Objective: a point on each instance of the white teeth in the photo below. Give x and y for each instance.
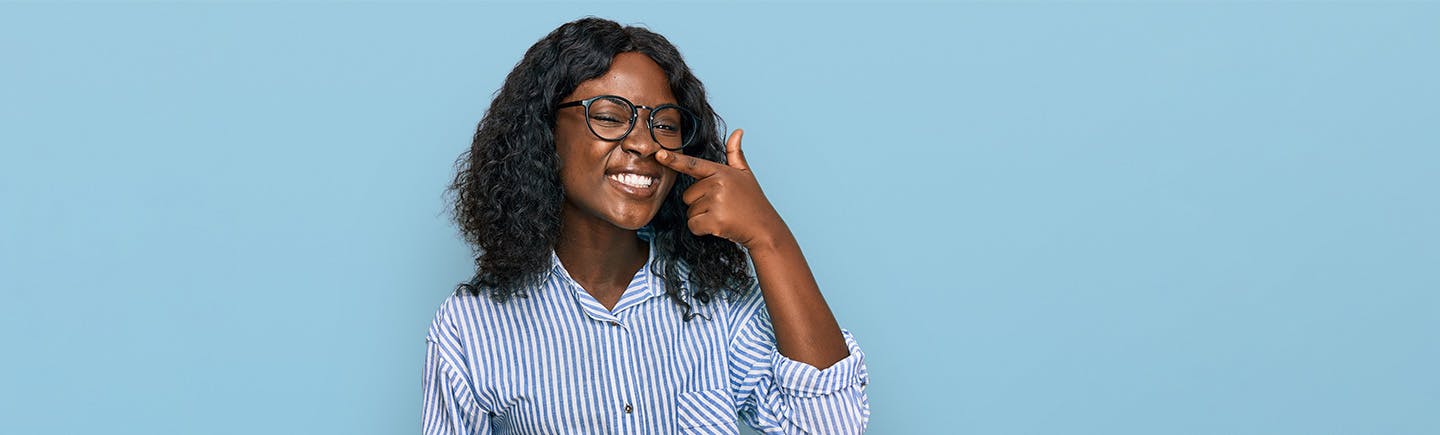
(634, 180)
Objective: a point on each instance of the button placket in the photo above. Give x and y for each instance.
(624, 346)
(614, 334)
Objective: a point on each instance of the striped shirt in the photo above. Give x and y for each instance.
(559, 362)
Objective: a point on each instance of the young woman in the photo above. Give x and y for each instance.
(616, 237)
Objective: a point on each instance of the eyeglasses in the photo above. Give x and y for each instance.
(612, 118)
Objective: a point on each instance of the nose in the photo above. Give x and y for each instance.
(639, 140)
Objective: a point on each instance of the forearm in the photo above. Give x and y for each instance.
(805, 329)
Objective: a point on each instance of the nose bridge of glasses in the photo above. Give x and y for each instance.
(638, 141)
(649, 115)
(635, 118)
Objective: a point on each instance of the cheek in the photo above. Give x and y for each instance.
(576, 157)
(671, 181)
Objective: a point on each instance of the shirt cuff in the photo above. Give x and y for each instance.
(804, 380)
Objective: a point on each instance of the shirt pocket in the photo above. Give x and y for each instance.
(705, 412)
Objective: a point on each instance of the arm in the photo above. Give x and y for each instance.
(799, 373)
(805, 330)
(449, 406)
(726, 201)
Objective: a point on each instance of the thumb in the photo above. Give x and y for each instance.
(733, 155)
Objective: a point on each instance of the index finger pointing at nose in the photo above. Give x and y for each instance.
(688, 165)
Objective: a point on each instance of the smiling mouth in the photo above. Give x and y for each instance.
(633, 180)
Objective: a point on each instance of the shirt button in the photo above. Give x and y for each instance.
(614, 323)
(628, 408)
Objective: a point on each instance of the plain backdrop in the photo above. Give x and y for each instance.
(1037, 218)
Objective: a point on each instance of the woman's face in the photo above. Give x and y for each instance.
(616, 182)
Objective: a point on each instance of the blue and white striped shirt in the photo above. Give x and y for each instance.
(559, 362)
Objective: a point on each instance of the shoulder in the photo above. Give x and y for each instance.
(745, 310)
(443, 326)
(466, 315)
(461, 315)
(746, 302)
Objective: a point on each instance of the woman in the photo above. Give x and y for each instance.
(613, 292)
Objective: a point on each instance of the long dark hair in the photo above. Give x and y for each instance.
(507, 193)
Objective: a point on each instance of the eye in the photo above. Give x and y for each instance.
(607, 119)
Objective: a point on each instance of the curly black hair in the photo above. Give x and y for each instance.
(507, 195)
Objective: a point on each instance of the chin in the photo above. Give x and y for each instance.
(631, 215)
(619, 210)
(631, 221)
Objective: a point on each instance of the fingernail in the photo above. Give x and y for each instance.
(661, 154)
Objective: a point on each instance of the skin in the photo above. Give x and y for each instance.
(598, 243)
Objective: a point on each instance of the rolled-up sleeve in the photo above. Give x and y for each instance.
(776, 394)
(449, 406)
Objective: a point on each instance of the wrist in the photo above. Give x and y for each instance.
(774, 239)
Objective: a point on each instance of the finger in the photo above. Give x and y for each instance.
(697, 209)
(733, 154)
(701, 225)
(688, 165)
(697, 191)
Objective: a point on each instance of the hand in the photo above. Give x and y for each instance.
(726, 200)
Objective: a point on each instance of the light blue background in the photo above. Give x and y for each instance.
(1117, 218)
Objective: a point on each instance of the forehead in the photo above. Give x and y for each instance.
(633, 76)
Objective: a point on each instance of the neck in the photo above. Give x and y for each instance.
(595, 251)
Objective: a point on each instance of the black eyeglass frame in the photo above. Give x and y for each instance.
(686, 139)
